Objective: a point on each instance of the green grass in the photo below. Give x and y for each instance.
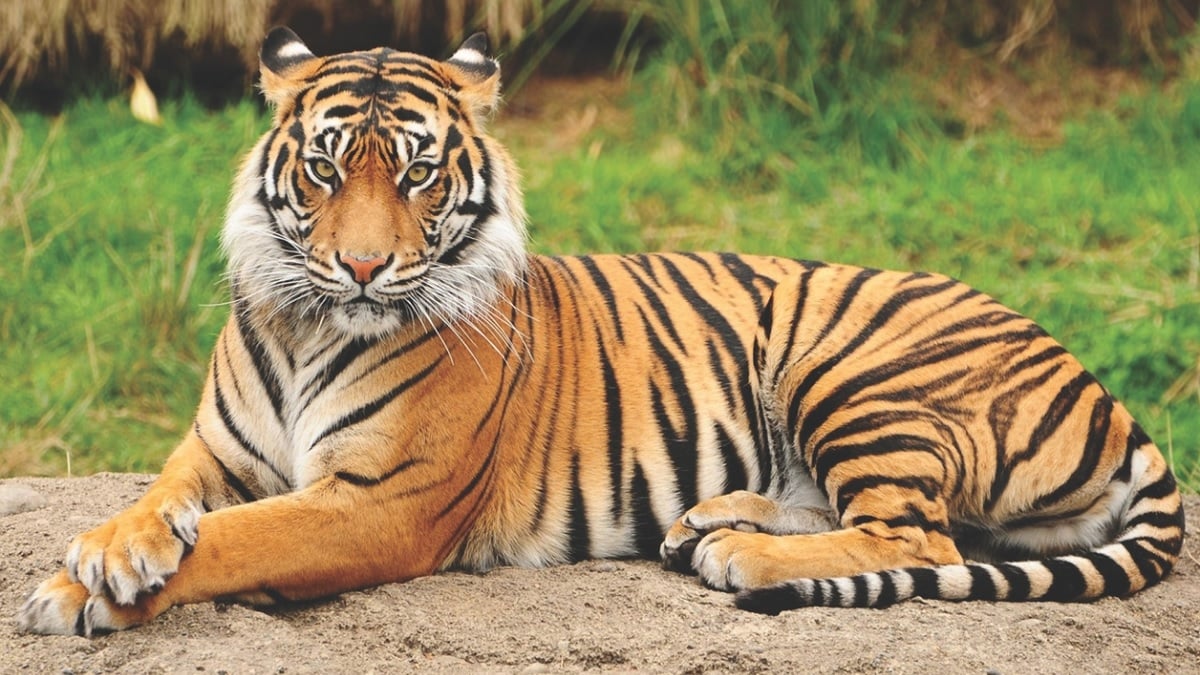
(111, 293)
(1097, 239)
(110, 296)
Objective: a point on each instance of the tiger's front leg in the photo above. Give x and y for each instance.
(136, 551)
(314, 543)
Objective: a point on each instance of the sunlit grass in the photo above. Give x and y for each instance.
(111, 295)
(108, 317)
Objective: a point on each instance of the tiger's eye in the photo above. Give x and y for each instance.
(324, 169)
(417, 173)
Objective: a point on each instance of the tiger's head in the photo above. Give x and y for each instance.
(375, 199)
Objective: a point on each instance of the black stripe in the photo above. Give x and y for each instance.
(1061, 406)
(365, 411)
(1093, 452)
(344, 64)
(654, 299)
(233, 429)
(1018, 581)
(1158, 519)
(1116, 579)
(368, 481)
(647, 532)
(912, 518)
(887, 589)
(729, 337)
(925, 582)
(756, 285)
(606, 293)
(851, 488)
(229, 477)
(419, 93)
(1067, 582)
(1003, 410)
(834, 455)
(395, 354)
(817, 596)
(336, 366)
(581, 547)
(735, 471)
(343, 111)
(724, 383)
(403, 114)
(798, 314)
(983, 587)
(862, 590)
(615, 428)
(393, 59)
(262, 363)
(1149, 562)
(1163, 487)
(680, 443)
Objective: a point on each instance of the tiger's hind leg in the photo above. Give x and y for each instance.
(741, 511)
(883, 527)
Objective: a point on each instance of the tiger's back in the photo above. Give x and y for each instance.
(915, 407)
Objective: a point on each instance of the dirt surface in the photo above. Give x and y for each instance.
(609, 616)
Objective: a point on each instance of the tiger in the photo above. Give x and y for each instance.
(403, 388)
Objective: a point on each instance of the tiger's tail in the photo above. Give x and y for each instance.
(1144, 551)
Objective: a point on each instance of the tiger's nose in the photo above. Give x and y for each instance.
(364, 269)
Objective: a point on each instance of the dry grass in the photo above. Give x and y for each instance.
(48, 37)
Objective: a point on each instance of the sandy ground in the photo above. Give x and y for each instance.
(609, 616)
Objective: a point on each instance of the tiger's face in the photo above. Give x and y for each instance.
(375, 199)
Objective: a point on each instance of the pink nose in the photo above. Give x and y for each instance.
(363, 268)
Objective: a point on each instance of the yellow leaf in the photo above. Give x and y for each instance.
(142, 103)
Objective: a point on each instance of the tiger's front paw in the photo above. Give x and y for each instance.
(136, 551)
(60, 606)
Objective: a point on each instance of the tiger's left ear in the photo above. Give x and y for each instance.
(285, 63)
(476, 74)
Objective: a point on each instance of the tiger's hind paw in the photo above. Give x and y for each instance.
(741, 511)
(729, 560)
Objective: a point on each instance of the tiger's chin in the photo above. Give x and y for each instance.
(368, 319)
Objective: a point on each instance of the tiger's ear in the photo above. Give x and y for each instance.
(476, 74)
(285, 62)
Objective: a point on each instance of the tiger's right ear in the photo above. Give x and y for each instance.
(285, 62)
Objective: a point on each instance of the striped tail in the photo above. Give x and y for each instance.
(1144, 552)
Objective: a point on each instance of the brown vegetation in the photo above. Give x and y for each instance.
(47, 38)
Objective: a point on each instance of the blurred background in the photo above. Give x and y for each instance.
(1045, 151)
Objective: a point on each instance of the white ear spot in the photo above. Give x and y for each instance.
(293, 50)
(468, 56)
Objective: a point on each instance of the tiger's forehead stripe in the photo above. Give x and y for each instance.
(382, 81)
